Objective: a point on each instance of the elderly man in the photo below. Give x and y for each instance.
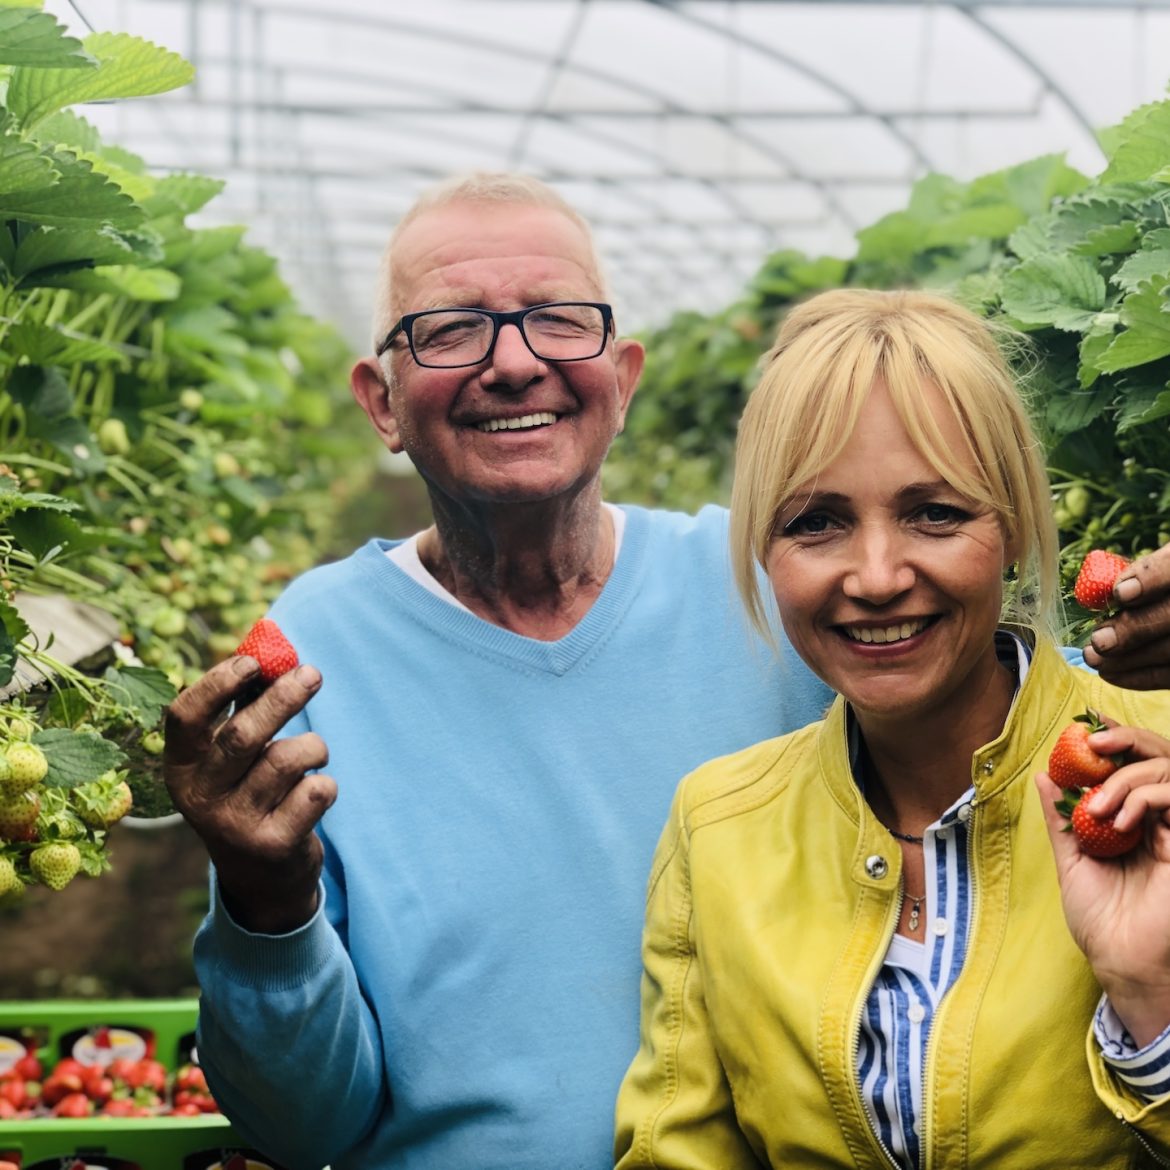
(443, 972)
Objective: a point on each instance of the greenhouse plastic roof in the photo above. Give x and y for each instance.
(697, 137)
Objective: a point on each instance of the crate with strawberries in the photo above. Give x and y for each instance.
(110, 1086)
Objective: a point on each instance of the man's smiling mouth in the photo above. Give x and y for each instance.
(525, 422)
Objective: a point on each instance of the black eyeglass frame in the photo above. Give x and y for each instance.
(514, 317)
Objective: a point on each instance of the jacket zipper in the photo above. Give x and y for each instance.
(1141, 1137)
(873, 1127)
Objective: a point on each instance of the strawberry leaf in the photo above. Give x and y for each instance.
(76, 757)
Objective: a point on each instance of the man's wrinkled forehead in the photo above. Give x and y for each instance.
(469, 253)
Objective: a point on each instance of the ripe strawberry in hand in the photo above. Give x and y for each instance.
(1072, 763)
(1097, 838)
(275, 653)
(1094, 584)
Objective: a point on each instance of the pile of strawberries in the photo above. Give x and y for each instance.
(122, 1088)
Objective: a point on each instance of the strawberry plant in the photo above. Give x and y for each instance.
(167, 447)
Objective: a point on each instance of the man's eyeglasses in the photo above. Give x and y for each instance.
(445, 339)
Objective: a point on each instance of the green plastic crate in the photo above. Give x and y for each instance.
(150, 1143)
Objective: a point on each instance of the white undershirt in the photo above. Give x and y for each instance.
(405, 556)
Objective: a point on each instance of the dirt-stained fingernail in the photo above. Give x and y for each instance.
(1128, 590)
(309, 677)
(1104, 639)
(245, 666)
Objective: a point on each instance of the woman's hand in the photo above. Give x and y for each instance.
(1118, 910)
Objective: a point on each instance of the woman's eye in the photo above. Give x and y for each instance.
(943, 515)
(808, 524)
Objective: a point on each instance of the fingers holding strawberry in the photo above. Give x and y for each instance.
(253, 798)
(1131, 648)
(1111, 843)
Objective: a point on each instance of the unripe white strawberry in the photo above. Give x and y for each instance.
(10, 883)
(18, 816)
(56, 864)
(27, 766)
(106, 810)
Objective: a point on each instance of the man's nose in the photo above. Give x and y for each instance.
(512, 365)
(880, 569)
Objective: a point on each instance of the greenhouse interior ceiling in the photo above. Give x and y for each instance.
(696, 136)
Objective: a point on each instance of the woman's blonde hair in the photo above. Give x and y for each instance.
(828, 354)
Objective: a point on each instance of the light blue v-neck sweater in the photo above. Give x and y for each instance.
(468, 996)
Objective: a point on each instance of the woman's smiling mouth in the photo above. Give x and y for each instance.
(884, 634)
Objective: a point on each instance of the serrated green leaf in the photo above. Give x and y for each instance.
(70, 130)
(74, 195)
(41, 391)
(1067, 413)
(1147, 336)
(1144, 267)
(1031, 239)
(995, 221)
(47, 247)
(1140, 145)
(49, 535)
(68, 707)
(181, 194)
(23, 168)
(1093, 345)
(1111, 238)
(1051, 289)
(128, 66)
(76, 757)
(46, 345)
(138, 284)
(13, 630)
(142, 690)
(1139, 412)
(28, 37)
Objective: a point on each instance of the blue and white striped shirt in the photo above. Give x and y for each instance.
(910, 986)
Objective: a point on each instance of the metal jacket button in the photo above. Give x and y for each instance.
(876, 866)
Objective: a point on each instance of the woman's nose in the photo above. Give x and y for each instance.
(880, 569)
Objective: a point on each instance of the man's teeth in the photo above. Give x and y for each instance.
(543, 419)
(886, 633)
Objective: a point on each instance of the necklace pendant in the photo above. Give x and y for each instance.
(914, 909)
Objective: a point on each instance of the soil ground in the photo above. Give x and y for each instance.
(126, 934)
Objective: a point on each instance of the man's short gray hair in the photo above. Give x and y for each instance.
(475, 187)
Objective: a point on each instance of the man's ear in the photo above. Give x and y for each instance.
(373, 396)
(629, 358)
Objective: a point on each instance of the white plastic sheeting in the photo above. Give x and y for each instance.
(697, 136)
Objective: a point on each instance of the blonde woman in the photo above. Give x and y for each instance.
(868, 943)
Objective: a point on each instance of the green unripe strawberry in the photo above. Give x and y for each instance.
(55, 865)
(191, 399)
(169, 622)
(27, 766)
(105, 808)
(18, 816)
(153, 743)
(112, 437)
(10, 882)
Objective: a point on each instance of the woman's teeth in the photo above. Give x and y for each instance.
(885, 634)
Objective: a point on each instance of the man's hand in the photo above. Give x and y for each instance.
(1132, 648)
(248, 796)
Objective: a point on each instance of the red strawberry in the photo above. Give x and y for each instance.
(270, 648)
(1098, 838)
(1094, 584)
(1072, 763)
(73, 1105)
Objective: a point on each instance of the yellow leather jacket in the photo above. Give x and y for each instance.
(768, 919)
